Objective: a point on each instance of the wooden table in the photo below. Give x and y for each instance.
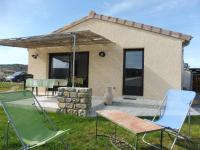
(129, 122)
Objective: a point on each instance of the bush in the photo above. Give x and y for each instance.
(10, 86)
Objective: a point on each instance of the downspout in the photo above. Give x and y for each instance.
(182, 68)
(74, 57)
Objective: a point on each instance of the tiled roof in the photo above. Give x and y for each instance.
(93, 15)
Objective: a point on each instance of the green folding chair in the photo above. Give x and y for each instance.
(29, 120)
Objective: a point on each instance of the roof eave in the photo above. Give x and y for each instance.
(93, 15)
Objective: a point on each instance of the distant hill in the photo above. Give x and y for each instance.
(9, 69)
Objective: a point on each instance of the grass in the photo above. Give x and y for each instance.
(10, 86)
(82, 134)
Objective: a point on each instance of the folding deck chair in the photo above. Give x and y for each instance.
(173, 112)
(30, 122)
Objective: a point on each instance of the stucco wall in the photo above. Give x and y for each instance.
(103, 71)
(162, 59)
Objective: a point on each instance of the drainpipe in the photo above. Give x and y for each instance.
(74, 57)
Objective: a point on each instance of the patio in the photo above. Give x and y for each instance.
(139, 107)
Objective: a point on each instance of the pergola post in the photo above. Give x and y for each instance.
(74, 57)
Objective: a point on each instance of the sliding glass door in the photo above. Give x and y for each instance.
(60, 67)
(133, 72)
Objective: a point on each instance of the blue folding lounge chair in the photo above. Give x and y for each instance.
(173, 112)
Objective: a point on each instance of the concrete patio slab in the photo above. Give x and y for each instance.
(138, 107)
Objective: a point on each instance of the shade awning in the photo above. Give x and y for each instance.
(59, 39)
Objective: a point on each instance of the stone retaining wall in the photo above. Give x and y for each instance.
(75, 101)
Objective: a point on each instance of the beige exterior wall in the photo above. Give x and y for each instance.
(103, 71)
(162, 59)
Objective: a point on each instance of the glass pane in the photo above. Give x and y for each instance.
(60, 65)
(134, 60)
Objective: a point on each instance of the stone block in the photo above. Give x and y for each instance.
(81, 106)
(75, 112)
(85, 100)
(61, 99)
(70, 89)
(73, 94)
(75, 100)
(68, 100)
(60, 93)
(82, 90)
(82, 113)
(61, 89)
(83, 95)
(61, 105)
(69, 105)
(66, 94)
(70, 111)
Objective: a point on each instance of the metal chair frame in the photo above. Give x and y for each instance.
(171, 131)
(10, 121)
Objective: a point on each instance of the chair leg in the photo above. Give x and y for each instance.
(115, 132)
(143, 139)
(176, 137)
(189, 121)
(96, 126)
(6, 135)
(64, 144)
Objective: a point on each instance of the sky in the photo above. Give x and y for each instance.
(20, 18)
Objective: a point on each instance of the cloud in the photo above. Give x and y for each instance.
(119, 7)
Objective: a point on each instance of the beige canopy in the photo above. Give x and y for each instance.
(56, 39)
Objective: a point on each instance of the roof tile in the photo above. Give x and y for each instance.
(156, 29)
(147, 27)
(105, 18)
(138, 25)
(92, 14)
(175, 34)
(165, 32)
(120, 21)
(112, 19)
(129, 23)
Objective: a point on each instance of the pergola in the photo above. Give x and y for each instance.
(58, 39)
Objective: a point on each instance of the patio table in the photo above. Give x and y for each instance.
(35, 83)
(129, 122)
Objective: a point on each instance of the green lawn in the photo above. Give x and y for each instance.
(82, 134)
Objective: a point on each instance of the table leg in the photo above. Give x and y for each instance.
(53, 90)
(161, 139)
(115, 132)
(136, 142)
(37, 91)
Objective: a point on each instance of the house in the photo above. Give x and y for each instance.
(135, 59)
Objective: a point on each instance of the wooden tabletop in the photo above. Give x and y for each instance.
(129, 122)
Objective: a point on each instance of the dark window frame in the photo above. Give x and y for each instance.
(124, 67)
(51, 55)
